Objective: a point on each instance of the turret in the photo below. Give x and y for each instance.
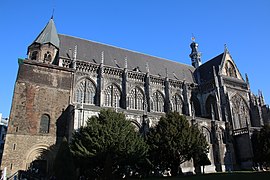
(45, 47)
(195, 55)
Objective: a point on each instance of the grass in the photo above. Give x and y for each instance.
(220, 176)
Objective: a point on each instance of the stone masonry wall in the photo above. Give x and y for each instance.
(39, 89)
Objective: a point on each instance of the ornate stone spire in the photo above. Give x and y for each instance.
(75, 57)
(102, 57)
(126, 62)
(147, 67)
(247, 80)
(195, 55)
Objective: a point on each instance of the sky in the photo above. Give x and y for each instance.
(161, 28)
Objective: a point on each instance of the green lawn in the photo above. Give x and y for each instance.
(222, 176)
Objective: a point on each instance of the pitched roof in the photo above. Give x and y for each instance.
(115, 57)
(206, 70)
(48, 35)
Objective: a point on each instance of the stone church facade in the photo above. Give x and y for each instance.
(64, 80)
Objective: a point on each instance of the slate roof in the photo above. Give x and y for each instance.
(48, 35)
(206, 70)
(115, 57)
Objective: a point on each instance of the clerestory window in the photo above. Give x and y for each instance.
(85, 92)
(177, 104)
(112, 96)
(157, 103)
(135, 99)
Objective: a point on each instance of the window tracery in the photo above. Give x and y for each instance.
(112, 96)
(85, 92)
(177, 103)
(135, 99)
(157, 103)
(240, 112)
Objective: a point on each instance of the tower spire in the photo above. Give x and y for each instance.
(47, 38)
(195, 55)
(49, 35)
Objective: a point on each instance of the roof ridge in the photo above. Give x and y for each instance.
(133, 51)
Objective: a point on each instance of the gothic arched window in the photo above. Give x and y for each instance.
(44, 124)
(157, 102)
(85, 92)
(177, 103)
(240, 112)
(112, 96)
(135, 99)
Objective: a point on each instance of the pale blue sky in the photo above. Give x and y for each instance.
(161, 28)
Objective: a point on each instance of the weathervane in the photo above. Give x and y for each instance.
(193, 38)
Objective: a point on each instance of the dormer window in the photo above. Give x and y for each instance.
(137, 69)
(34, 55)
(47, 57)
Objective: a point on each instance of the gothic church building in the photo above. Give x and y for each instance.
(64, 80)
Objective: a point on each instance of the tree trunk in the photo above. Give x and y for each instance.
(175, 169)
(203, 168)
(107, 174)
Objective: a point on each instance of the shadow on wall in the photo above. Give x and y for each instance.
(42, 167)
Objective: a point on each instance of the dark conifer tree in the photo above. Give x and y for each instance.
(261, 146)
(108, 146)
(173, 141)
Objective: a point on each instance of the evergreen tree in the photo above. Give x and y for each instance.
(173, 141)
(108, 145)
(261, 146)
(199, 149)
(63, 164)
(204, 160)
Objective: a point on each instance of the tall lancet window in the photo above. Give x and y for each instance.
(177, 103)
(135, 99)
(157, 102)
(112, 96)
(85, 92)
(240, 112)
